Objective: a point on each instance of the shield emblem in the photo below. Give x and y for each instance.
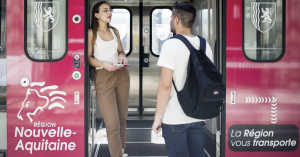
(46, 15)
(263, 15)
(162, 31)
(122, 30)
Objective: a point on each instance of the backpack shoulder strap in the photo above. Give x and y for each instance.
(188, 45)
(185, 41)
(202, 44)
(174, 86)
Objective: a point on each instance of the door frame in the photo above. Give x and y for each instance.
(223, 58)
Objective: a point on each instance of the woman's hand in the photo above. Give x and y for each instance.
(110, 66)
(123, 59)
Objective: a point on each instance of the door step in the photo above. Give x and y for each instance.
(137, 149)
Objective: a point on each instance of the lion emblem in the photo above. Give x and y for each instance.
(49, 14)
(263, 15)
(267, 14)
(36, 101)
(46, 13)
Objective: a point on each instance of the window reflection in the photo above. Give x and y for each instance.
(121, 20)
(3, 29)
(161, 30)
(46, 34)
(2, 52)
(263, 30)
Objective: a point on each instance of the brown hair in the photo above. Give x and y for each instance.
(186, 13)
(94, 25)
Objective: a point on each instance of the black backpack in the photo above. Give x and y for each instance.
(203, 92)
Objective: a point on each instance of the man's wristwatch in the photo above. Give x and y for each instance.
(101, 65)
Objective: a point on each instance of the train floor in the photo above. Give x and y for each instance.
(140, 141)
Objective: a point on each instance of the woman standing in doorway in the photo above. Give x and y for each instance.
(111, 82)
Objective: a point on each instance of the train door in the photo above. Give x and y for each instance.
(155, 31)
(45, 78)
(143, 27)
(149, 29)
(262, 78)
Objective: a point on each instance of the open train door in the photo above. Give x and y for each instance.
(45, 78)
(262, 78)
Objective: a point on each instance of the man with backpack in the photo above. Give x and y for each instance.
(181, 132)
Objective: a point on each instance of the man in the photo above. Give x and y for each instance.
(179, 131)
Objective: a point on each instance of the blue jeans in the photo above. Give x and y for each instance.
(179, 138)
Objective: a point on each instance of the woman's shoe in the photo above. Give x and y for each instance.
(125, 155)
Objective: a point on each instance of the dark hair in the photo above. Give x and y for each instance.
(94, 24)
(186, 13)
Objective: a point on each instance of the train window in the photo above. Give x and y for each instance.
(121, 19)
(160, 28)
(46, 30)
(263, 30)
(2, 53)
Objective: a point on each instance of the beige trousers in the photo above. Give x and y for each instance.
(112, 90)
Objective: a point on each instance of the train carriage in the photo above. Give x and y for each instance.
(48, 103)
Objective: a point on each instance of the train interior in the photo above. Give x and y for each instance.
(143, 26)
(153, 18)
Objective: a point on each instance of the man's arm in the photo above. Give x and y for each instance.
(163, 96)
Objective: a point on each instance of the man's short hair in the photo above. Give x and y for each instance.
(186, 13)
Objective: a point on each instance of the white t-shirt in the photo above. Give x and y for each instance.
(175, 55)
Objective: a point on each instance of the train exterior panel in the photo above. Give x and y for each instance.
(262, 100)
(49, 104)
(45, 99)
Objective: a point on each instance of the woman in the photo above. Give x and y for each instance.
(111, 82)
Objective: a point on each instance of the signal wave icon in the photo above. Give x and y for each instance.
(266, 100)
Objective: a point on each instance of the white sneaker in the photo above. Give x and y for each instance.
(125, 155)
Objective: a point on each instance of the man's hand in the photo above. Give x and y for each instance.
(156, 126)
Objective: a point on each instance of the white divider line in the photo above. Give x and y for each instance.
(206, 153)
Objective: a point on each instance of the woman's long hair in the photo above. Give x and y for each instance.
(94, 25)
